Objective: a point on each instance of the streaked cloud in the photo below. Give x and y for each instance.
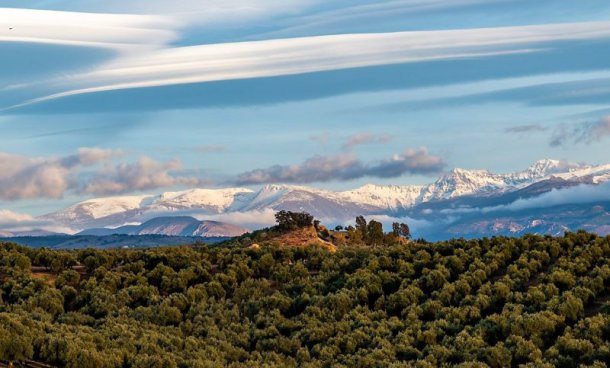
(528, 128)
(281, 57)
(344, 167)
(215, 12)
(125, 32)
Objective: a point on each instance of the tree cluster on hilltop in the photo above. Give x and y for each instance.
(499, 302)
(288, 220)
(368, 233)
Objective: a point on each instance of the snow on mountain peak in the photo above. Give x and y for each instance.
(459, 182)
(213, 199)
(385, 196)
(546, 167)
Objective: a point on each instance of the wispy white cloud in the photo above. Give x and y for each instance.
(122, 32)
(133, 25)
(198, 11)
(356, 12)
(242, 60)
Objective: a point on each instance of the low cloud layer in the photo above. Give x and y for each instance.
(344, 167)
(581, 194)
(576, 195)
(89, 170)
(13, 223)
(10, 217)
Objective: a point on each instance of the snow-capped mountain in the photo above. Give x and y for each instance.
(466, 187)
(323, 203)
(211, 200)
(461, 182)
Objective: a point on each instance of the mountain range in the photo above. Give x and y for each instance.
(476, 201)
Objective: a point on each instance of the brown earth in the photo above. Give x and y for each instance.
(302, 237)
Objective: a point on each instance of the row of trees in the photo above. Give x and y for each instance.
(372, 233)
(493, 302)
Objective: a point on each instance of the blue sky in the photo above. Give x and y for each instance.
(112, 97)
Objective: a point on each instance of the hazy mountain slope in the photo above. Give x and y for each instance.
(173, 226)
(553, 220)
(29, 233)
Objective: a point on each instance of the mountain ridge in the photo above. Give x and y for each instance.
(457, 188)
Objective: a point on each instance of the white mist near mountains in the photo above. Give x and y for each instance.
(459, 191)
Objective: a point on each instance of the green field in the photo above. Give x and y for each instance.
(500, 302)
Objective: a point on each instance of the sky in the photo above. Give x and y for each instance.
(101, 98)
